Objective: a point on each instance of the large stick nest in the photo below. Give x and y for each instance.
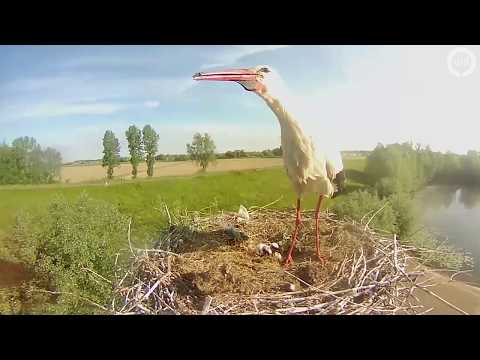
(211, 265)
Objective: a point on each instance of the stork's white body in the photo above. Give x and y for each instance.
(309, 170)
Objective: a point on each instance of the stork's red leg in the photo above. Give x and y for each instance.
(298, 221)
(317, 231)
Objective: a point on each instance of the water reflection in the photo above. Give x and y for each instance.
(470, 197)
(443, 197)
(438, 197)
(455, 213)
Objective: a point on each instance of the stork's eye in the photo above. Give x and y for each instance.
(265, 69)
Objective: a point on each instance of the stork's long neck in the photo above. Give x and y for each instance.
(285, 119)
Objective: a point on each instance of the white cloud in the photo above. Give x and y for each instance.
(61, 109)
(78, 87)
(95, 60)
(234, 53)
(152, 104)
(45, 83)
(80, 95)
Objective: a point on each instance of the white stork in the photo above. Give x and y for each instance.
(308, 169)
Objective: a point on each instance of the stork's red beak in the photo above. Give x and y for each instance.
(227, 75)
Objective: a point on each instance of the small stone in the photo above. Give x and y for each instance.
(263, 249)
(275, 246)
(267, 250)
(259, 249)
(278, 256)
(291, 287)
(235, 234)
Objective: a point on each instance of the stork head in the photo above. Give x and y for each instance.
(252, 79)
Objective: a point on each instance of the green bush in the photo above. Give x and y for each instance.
(399, 216)
(405, 167)
(387, 186)
(70, 238)
(362, 204)
(19, 300)
(25, 162)
(405, 213)
(10, 303)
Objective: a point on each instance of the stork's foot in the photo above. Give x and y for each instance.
(288, 262)
(321, 258)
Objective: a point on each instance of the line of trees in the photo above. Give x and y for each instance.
(231, 154)
(268, 153)
(25, 162)
(172, 157)
(142, 145)
(407, 168)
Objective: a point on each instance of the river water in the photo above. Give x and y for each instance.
(454, 212)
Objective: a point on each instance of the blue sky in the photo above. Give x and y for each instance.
(351, 96)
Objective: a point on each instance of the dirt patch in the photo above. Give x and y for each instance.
(84, 173)
(12, 274)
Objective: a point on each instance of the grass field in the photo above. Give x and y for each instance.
(141, 198)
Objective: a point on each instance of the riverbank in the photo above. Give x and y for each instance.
(451, 297)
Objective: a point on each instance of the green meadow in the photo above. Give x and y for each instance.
(143, 199)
